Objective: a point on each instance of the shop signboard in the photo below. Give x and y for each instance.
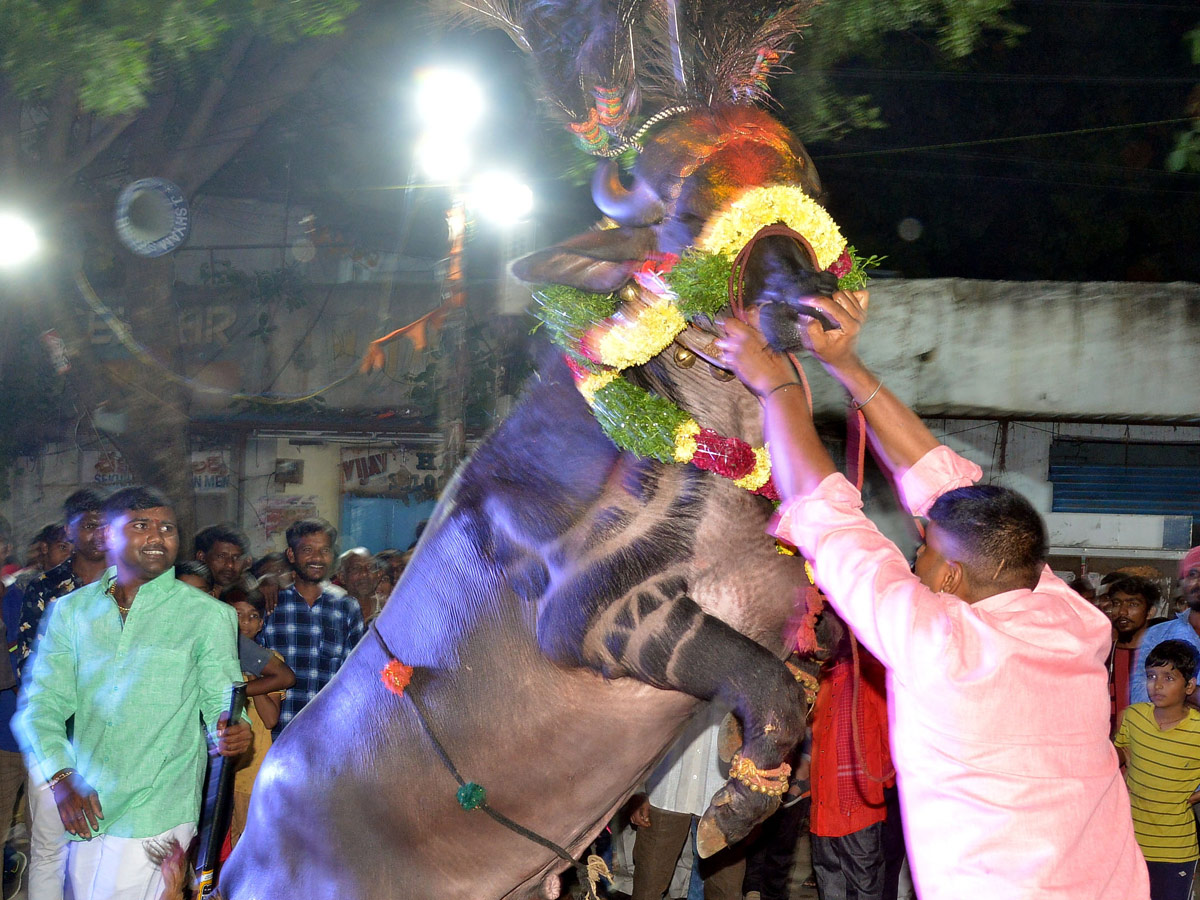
(210, 471)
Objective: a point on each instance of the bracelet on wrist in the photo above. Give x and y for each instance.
(59, 777)
(854, 404)
(778, 387)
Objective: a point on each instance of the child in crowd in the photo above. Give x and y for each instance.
(195, 573)
(1159, 743)
(268, 678)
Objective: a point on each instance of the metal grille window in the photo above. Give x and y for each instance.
(1125, 478)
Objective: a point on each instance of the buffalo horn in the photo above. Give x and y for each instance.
(637, 206)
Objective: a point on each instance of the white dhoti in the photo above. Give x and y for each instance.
(47, 844)
(115, 868)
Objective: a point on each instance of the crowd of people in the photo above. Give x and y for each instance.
(967, 690)
(112, 632)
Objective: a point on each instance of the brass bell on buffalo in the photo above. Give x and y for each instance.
(722, 374)
(684, 358)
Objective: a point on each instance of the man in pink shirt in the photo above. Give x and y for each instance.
(997, 683)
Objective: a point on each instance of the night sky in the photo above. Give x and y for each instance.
(1094, 204)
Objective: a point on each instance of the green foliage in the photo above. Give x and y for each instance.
(857, 279)
(271, 289)
(1185, 157)
(701, 281)
(637, 421)
(1193, 40)
(817, 110)
(569, 312)
(113, 50)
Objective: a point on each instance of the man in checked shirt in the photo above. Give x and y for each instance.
(315, 624)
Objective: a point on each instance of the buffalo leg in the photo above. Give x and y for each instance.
(672, 643)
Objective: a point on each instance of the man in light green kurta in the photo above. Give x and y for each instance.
(138, 658)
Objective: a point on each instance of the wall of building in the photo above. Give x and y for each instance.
(951, 348)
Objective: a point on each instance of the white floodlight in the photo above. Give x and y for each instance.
(443, 156)
(448, 99)
(18, 241)
(501, 197)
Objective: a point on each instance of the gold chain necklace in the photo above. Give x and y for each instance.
(112, 592)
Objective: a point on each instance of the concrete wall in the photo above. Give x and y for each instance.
(1060, 350)
(950, 348)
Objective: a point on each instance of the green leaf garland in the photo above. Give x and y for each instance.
(701, 282)
(637, 421)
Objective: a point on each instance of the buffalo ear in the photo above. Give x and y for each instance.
(599, 261)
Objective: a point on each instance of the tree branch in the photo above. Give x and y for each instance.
(56, 136)
(215, 91)
(10, 131)
(197, 161)
(96, 144)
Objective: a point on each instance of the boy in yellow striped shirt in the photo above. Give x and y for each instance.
(1159, 744)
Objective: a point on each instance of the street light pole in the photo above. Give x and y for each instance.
(450, 104)
(453, 365)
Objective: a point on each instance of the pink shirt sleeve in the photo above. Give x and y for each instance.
(864, 574)
(938, 471)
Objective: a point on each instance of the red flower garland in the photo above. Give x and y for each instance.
(729, 457)
(768, 490)
(842, 265)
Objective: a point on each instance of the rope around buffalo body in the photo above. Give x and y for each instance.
(472, 795)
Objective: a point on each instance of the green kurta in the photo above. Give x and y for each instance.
(137, 690)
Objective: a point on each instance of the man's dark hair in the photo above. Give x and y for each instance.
(260, 565)
(301, 528)
(998, 531)
(237, 594)
(1135, 586)
(50, 534)
(83, 501)
(1179, 654)
(134, 497)
(214, 534)
(196, 569)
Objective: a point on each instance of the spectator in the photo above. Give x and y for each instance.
(85, 530)
(137, 658)
(49, 547)
(1185, 626)
(1009, 789)
(389, 564)
(268, 678)
(1131, 599)
(771, 855)
(680, 790)
(853, 849)
(315, 625)
(359, 576)
(12, 767)
(271, 574)
(8, 566)
(223, 549)
(1159, 743)
(195, 574)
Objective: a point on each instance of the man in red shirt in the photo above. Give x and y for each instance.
(851, 767)
(1131, 598)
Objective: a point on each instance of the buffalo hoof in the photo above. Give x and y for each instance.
(734, 811)
(729, 742)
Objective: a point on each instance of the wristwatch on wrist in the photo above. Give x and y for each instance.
(60, 776)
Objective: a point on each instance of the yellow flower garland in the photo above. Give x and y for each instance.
(592, 383)
(634, 342)
(757, 477)
(685, 441)
(733, 227)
